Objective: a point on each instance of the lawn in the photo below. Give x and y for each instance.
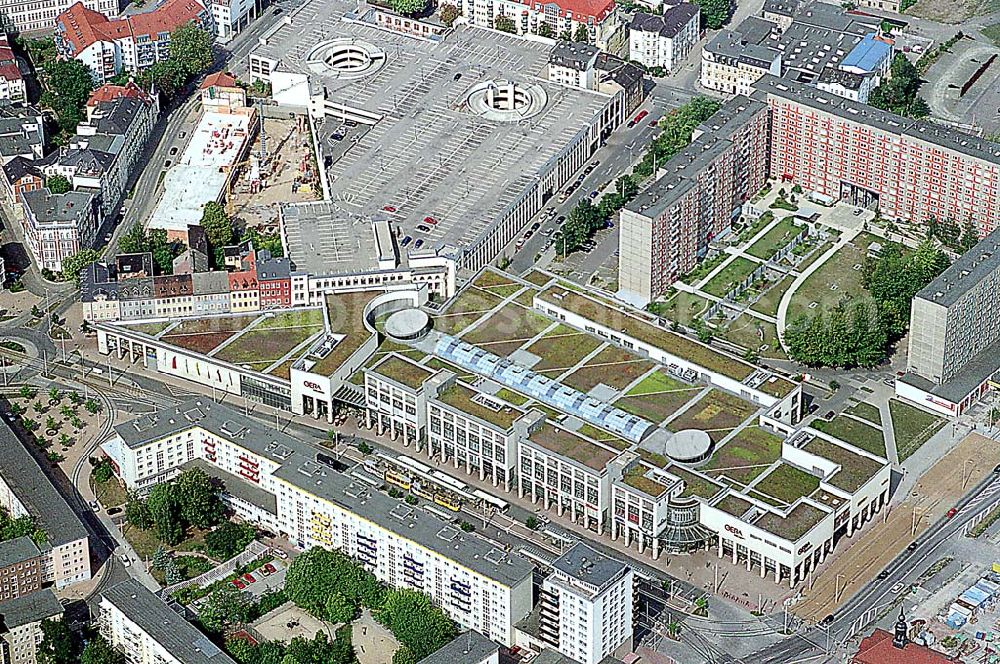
(152, 329)
(509, 323)
(510, 396)
(837, 278)
(658, 381)
(682, 307)
(473, 300)
(992, 32)
(852, 431)
(562, 348)
(769, 301)
(731, 275)
(612, 366)
(266, 345)
(453, 324)
(746, 455)
(775, 239)
(295, 318)
(502, 348)
(717, 413)
(811, 256)
(866, 411)
(752, 333)
(537, 278)
(215, 324)
(912, 427)
(110, 493)
(787, 483)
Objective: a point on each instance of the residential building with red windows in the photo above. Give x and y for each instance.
(129, 44)
(667, 228)
(605, 27)
(274, 280)
(909, 170)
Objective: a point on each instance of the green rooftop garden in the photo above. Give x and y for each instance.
(346, 314)
(572, 446)
(695, 485)
(636, 478)
(787, 483)
(799, 521)
(460, 397)
(403, 371)
(912, 427)
(855, 469)
(855, 432)
(734, 505)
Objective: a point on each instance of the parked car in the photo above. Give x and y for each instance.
(406, 241)
(423, 229)
(94, 505)
(431, 221)
(535, 226)
(114, 510)
(896, 588)
(640, 117)
(278, 553)
(883, 575)
(263, 572)
(239, 584)
(270, 568)
(249, 578)
(829, 415)
(561, 220)
(654, 123)
(456, 76)
(952, 512)
(419, 243)
(125, 561)
(389, 208)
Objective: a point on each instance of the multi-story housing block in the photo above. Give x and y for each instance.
(731, 64)
(22, 132)
(274, 280)
(20, 568)
(664, 40)
(142, 626)
(129, 44)
(57, 226)
(21, 627)
(19, 16)
(11, 81)
(955, 333)
(586, 605)
(604, 25)
(25, 490)
(667, 228)
(313, 504)
(230, 17)
(909, 170)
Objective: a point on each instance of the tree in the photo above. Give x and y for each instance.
(68, 84)
(408, 7)
(137, 513)
(546, 30)
(26, 392)
(217, 224)
(320, 650)
(191, 49)
(165, 512)
(582, 34)
(73, 265)
(676, 130)
(99, 651)
(58, 645)
(714, 13)
(403, 656)
(449, 14)
(270, 242)
(134, 241)
(316, 573)
(531, 523)
(504, 24)
(566, 35)
(197, 499)
(58, 184)
(161, 558)
(172, 573)
(338, 609)
(224, 607)
(93, 406)
(415, 622)
(228, 539)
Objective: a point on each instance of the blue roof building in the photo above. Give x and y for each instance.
(871, 55)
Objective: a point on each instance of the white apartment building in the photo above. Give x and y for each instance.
(21, 627)
(476, 585)
(25, 490)
(394, 402)
(586, 605)
(232, 16)
(141, 625)
(731, 65)
(664, 41)
(11, 81)
(604, 25)
(31, 15)
(57, 226)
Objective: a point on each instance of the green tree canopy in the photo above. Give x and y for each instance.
(848, 335)
(217, 224)
(165, 512)
(58, 184)
(68, 84)
(715, 13)
(546, 30)
(198, 499)
(408, 7)
(73, 265)
(582, 34)
(338, 609)
(99, 651)
(676, 129)
(315, 574)
(59, 644)
(449, 14)
(229, 539)
(504, 24)
(225, 607)
(191, 49)
(415, 622)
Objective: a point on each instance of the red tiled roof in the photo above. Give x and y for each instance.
(170, 15)
(109, 92)
(599, 9)
(878, 649)
(83, 27)
(220, 79)
(10, 72)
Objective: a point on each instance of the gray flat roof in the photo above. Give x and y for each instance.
(586, 565)
(949, 139)
(30, 608)
(300, 466)
(470, 647)
(430, 155)
(965, 273)
(322, 238)
(973, 374)
(17, 550)
(178, 637)
(33, 488)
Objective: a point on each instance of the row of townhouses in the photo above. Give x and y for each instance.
(128, 290)
(97, 161)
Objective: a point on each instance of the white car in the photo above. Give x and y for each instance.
(94, 505)
(125, 561)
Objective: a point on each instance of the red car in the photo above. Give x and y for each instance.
(239, 584)
(270, 568)
(952, 512)
(430, 220)
(249, 578)
(388, 208)
(640, 116)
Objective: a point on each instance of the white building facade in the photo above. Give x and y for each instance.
(664, 41)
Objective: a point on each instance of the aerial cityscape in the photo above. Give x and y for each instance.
(499, 332)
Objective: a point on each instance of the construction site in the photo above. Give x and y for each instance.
(280, 168)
